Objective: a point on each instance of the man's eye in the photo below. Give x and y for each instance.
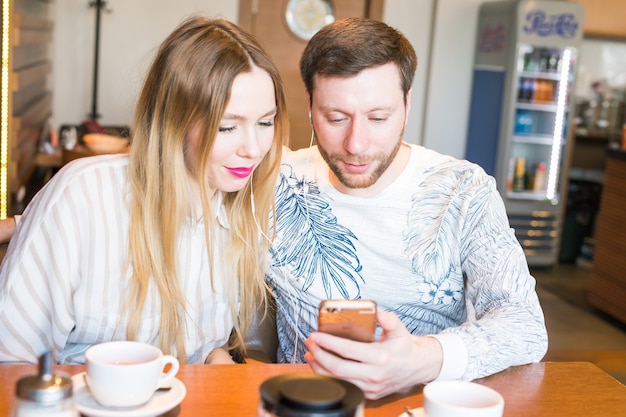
(226, 129)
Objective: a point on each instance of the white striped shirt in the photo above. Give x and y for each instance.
(63, 280)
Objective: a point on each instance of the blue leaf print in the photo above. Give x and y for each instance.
(311, 242)
(431, 242)
(421, 321)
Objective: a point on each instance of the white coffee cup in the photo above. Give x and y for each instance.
(126, 374)
(461, 399)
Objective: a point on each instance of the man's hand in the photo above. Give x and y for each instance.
(396, 362)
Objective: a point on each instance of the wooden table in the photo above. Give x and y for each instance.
(542, 389)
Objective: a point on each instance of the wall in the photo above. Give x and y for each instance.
(131, 31)
(601, 60)
(450, 76)
(129, 34)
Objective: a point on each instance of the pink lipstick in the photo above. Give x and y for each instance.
(240, 172)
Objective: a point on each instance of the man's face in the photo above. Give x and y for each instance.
(359, 122)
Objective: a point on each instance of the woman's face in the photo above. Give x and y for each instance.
(245, 134)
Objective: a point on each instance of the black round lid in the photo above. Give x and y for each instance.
(313, 394)
(310, 395)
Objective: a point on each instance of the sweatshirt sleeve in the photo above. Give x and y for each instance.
(506, 325)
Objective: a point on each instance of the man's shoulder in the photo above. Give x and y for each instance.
(303, 161)
(290, 156)
(431, 160)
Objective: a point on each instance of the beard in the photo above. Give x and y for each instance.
(380, 162)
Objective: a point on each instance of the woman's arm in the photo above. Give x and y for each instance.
(7, 228)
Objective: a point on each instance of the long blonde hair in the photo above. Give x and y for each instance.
(189, 85)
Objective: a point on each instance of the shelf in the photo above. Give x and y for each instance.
(547, 107)
(555, 76)
(596, 135)
(530, 195)
(535, 139)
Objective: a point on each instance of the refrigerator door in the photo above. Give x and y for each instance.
(519, 127)
(540, 128)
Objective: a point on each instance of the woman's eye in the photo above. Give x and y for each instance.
(268, 123)
(226, 129)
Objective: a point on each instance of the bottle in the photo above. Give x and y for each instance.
(540, 182)
(510, 174)
(519, 179)
(44, 394)
(529, 89)
(523, 123)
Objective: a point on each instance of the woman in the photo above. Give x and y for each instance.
(161, 246)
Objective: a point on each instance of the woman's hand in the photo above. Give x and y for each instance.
(219, 356)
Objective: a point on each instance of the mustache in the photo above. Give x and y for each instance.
(354, 160)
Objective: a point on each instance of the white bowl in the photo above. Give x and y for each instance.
(103, 143)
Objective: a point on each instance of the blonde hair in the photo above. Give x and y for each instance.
(188, 85)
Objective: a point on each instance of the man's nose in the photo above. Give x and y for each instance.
(356, 140)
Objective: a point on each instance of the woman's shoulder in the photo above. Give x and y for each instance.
(94, 175)
(89, 167)
(98, 162)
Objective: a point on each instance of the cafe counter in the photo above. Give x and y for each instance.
(607, 288)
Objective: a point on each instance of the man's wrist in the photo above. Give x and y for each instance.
(454, 356)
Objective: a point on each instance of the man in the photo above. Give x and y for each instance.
(364, 215)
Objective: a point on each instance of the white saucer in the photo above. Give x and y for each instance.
(417, 412)
(161, 401)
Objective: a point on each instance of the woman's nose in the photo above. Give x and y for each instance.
(251, 147)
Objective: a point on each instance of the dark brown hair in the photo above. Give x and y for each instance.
(348, 46)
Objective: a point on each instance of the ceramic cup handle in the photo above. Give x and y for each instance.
(171, 373)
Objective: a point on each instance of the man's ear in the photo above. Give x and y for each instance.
(407, 106)
(308, 107)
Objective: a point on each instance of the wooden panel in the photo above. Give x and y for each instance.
(26, 96)
(30, 75)
(25, 56)
(31, 123)
(28, 136)
(31, 37)
(607, 289)
(606, 18)
(265, 19)
(38, 111)
(25, 21)
(30, 102)
(31, 30)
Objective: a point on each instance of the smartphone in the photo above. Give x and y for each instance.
(352, 319)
